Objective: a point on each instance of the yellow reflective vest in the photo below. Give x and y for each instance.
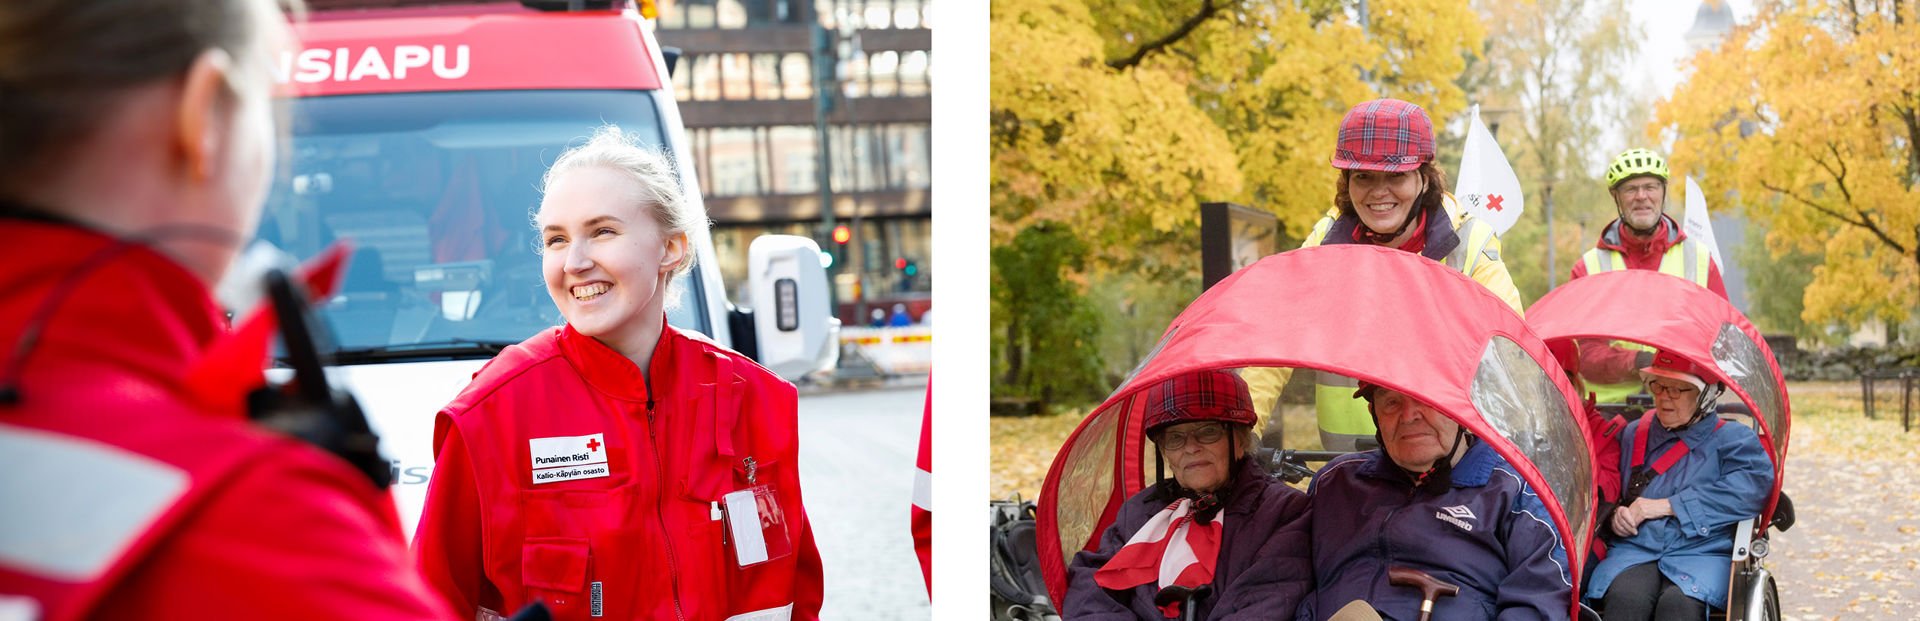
(1477, 254)
(1686, 259)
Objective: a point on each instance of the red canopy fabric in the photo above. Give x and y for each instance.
(1675, 315)
(1375, 314)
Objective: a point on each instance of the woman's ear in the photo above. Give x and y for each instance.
(204, 107)
(675, 252)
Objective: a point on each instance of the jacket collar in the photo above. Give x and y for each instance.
(1439, 231)
(616, 375)
(1474, 470)
(1666, 235)
(126, 308)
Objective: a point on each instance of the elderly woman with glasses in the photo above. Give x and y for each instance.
(1221, 529)
(1689, 478)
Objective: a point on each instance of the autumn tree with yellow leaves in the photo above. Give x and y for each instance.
(1808, 117)
(1112, 120)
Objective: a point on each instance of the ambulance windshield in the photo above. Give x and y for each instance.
(436, 192)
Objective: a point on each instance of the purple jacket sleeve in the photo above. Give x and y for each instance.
(1281, 573)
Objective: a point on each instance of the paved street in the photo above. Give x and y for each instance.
(857, 454)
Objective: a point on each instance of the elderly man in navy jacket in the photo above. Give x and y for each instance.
(1436, 499)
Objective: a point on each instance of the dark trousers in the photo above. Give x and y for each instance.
(1642, 593)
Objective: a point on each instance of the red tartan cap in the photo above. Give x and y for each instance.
(1207, 395)
(1387, 135)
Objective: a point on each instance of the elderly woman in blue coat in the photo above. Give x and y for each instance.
(1690, 478)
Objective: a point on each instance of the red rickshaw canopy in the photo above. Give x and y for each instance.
(1675, 315)
(1374, 314)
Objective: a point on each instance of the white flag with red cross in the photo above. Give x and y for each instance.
(1487, 187)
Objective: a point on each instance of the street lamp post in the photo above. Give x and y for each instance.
(824, 84)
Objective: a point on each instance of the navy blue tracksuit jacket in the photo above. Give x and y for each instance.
(1488, 533)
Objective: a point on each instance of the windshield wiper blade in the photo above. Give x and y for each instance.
(448, 348)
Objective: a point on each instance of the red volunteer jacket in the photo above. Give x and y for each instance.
(129, 499)
(923, 493)
(560, 477)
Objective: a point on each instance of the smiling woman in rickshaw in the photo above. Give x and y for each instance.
(1690, 478)
(1220, 522)
(1464, 354)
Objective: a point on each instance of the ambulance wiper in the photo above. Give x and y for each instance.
(453, 348)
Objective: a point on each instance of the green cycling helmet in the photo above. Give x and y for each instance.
(1636, 162)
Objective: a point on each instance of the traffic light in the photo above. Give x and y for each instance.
(841, 234)
(908, 269)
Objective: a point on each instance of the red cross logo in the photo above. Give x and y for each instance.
(593, 445)
(1493, 202)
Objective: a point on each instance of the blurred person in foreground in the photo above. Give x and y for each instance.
(1221, 522)
(136, 145)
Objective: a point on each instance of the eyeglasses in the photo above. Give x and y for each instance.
(1641, 188)
(1209, 434)
(1658, 389)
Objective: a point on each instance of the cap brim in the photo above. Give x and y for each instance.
(1373, 166)
(1652, 372)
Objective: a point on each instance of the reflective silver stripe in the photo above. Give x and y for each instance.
(1689, 252)
(923, 489)
(782, 613)
(1606, 260)
(73, 505)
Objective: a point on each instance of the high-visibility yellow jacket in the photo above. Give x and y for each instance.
(1610, 370)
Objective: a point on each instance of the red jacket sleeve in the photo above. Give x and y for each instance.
(447, 545)
(808, 585)
(922, 495)
(298, 536)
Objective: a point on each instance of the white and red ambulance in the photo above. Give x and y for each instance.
(420, 131)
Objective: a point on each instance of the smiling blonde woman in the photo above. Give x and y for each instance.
(616, 466)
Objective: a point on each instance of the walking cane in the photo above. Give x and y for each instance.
(1185, 596)
(1430, 588)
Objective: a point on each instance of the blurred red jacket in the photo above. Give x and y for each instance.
(128, 496)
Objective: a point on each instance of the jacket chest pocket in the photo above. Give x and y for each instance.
(568, 539)
(555, 571)
(761, 585)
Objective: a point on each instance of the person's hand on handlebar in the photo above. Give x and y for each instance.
(1627, 519)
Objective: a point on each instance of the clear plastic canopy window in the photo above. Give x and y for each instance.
(1741, 360)
(1505, 382)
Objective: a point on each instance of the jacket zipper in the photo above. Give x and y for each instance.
(660, 509)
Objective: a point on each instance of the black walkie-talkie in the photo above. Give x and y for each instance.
(307, 407)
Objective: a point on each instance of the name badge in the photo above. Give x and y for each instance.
(757, 525)
(568, 458)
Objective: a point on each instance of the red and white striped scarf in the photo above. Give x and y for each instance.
(1171, 549)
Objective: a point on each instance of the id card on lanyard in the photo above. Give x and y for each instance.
(756, 525)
